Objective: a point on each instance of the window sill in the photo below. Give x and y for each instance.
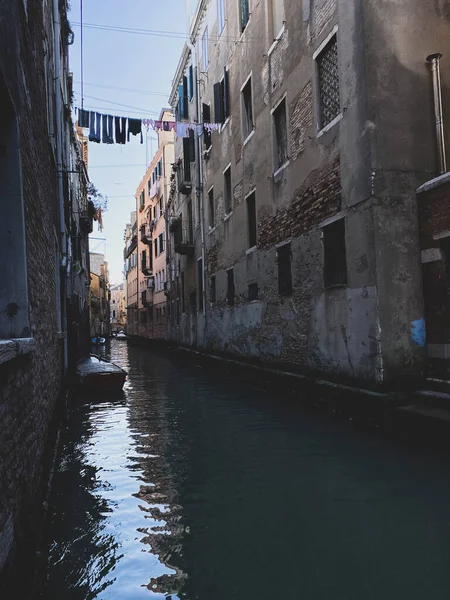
(251, 250)
(228, 215)
(249, 137)
(279, 171)
(276, 40)
(224, 124)
(245, 28)
(330, 125)
(336, 286)
(211, 230)
(10, 349)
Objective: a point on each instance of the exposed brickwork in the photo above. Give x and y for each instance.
(323, 12)
(434, 214)
(276, 62)
(318, 199)
(211, 259)
(434, 219)
(29, 385)
(301, 113)
(238, 193)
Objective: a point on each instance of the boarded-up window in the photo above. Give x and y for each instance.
(222, 98)
(334, 254)
(252, 292)
(230, 287)
(279, 122)
(247, 109)
(211, 208)
(284, 269)
(227, 191)
(251, 220)
(212, 289)
(244, 13)
(328, 75)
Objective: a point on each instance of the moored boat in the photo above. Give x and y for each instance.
(95, 373)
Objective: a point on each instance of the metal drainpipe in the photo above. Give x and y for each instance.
(434, 60)
(59, 167)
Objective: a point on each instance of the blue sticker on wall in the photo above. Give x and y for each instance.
(418, 333)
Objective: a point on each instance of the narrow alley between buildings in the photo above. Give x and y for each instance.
(193, 485)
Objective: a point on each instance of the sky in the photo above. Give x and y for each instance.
(143, 66)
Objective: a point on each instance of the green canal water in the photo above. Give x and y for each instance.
(196, 486)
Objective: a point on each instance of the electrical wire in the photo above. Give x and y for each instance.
(172, 34)
(125, 89)
(135, 108)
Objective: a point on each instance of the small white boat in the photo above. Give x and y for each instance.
(121, 335)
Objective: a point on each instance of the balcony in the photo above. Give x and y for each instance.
(86, 223)
(184, 177)
(132, 245)
(146, 267)
(146, 298)
(183, 237)
(146, 236)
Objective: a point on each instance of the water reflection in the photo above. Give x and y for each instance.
(114, 502)
(197, 487)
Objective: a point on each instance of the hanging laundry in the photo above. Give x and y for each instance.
(166, 126)
(135, 127)
(107, 129)
(183, 129)
(95, 124)
(83, 118)
(120, 129)
(157, 125)
(211, 127)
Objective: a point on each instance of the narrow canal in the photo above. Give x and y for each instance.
(196, 487)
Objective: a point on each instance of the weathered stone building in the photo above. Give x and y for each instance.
(295, 235)
(117, 308)
(151, 202)
(100, 295)
(131, 274)
(43, 254)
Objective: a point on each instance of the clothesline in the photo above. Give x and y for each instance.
(110, 129)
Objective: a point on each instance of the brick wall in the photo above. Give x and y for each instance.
(301, 113)
(318, 199)
(29, 385)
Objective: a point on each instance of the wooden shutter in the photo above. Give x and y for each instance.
(218, 105)
(226, 94)
(185, 97)
(206, 111)
(191, 82)
(180, 104)
(191, 146)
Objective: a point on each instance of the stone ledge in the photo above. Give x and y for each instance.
(10, 349)
(434, 183)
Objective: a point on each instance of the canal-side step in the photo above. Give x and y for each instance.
(432, 399)
(439, 414)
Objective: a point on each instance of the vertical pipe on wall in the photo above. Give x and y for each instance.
(434, 60)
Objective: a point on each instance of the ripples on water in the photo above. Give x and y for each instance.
(189, 486)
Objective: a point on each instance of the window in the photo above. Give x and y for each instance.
(182, 110)
(212, 289)
(244, 13)
(200, 283)
(160, 168)
(114, 301)
(114, 314)
(156, 247)
(284, 269)
(252, 292)
(220, 15)
(222, 98)
(206, 111)
(251, 220)
(205, 49)
(328, 81)
(279, 121)
(277, 15)
(161, 206)
(161, 242)
(247, 109)
(227, 191)
(193, 302)
(230, 287)
(183, 307)
(211, 208)
(143, 317)
(334, 254)
(142, 200)
(190, 82)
